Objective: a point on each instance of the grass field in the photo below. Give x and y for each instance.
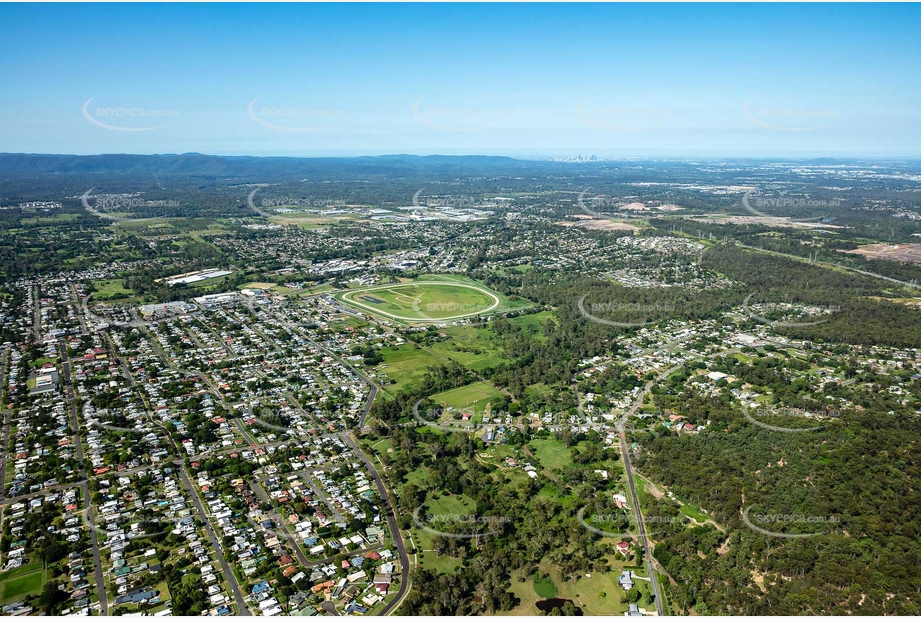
(17, 583)
(544, 586)
(473, 347)
(584, 592)
(473, 397)
(64, 217)
(405, 365)
(551, 453)
(443, 505)
(694, 513)
(107, 288)
(450, 505)
(424, 300)
(420, 477)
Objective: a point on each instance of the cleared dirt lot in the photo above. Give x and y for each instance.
(898, 253)
(601, 224)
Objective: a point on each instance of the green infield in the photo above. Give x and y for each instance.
(424, 301)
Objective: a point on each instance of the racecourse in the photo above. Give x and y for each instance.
(424, 301)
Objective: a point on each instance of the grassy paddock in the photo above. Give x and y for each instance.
(473, 396)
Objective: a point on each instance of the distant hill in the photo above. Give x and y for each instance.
(210, 166)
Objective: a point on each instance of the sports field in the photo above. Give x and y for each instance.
(471, 397)
(17, 583)
(424, 301)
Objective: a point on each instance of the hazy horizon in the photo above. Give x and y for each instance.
(527, 81)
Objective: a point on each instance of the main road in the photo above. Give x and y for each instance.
(242, 609)
(7, 421)
(361, 375)
(84, 486)
(631, 484)
(641, 526)
(392, 521)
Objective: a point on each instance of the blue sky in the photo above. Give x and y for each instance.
(515, 79)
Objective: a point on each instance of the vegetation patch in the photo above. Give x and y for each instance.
(544, 586)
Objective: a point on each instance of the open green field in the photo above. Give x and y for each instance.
(598, 595)
(420, 477)
(694, 513)
(424, 300)
(478, 348)
(107, 288)
(473, 347)
(551, 453)
(473, 396)
(441, 506)
(192, 228)
(405, 365)
(27, 579)
(450, 505)
(41, 361)
(544, 586)
(50, 219)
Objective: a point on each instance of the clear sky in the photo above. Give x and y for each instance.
(514, 79)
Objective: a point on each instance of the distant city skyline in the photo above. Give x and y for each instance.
(528, 81)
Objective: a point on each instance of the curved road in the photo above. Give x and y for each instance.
(394, 528)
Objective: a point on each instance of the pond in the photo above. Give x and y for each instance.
(548, 604)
